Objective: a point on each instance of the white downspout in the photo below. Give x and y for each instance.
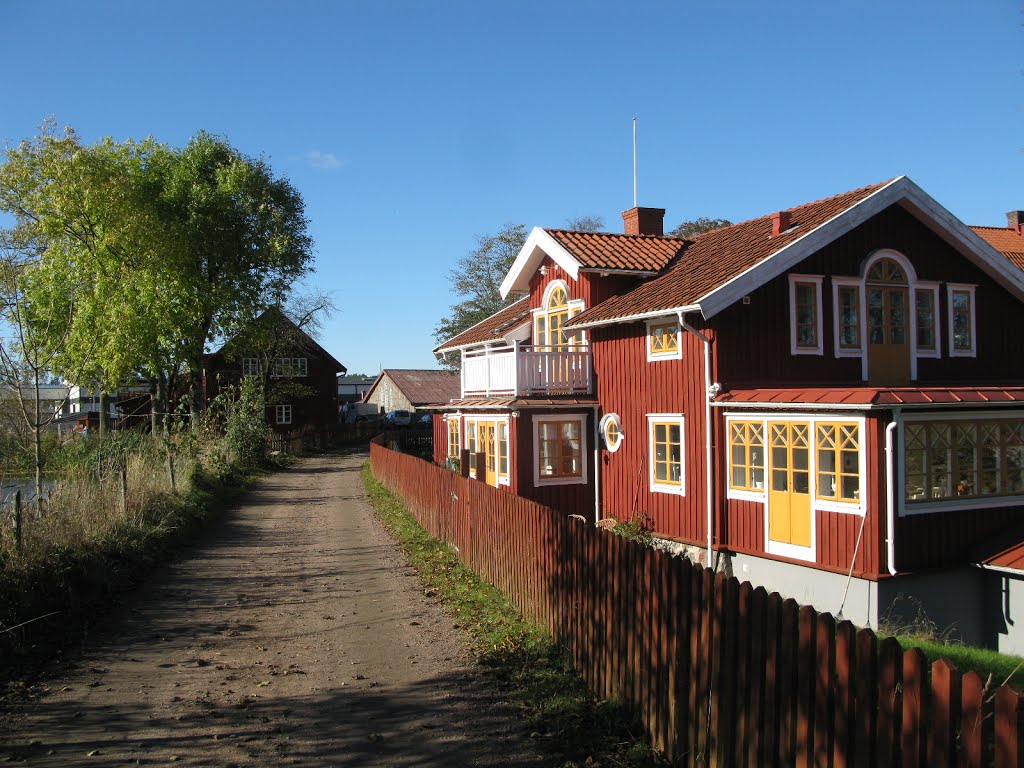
(707, 432)
(890, 491)
(597, 468)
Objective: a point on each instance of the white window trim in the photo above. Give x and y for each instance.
(279, 414)
(950, 505)
(655, 486)
(464, 443)
(250, 366)
(605, 420)
(969, 289)
(858, 283)
(793, 281)
(655, 356)
(928, 286)
(538, 481)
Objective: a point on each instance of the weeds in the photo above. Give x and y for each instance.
(572, 727)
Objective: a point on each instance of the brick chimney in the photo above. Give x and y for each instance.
(1014, 220)
(644, 221)
(780, 222)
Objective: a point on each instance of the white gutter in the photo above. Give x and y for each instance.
(707, 431)
(890, 490)
(668, 312)
(800, 406)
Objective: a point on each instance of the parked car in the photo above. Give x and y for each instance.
(425, 421)
(398, 418)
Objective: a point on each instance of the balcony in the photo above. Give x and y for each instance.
(522, 371)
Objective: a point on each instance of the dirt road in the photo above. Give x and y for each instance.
(293, 634)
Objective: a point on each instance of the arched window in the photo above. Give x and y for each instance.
(549, 321)
(886, 270)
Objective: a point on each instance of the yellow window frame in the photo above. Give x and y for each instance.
(746, 453)
(663, 338)
(661, 468)
(453, 438)
(837, 461)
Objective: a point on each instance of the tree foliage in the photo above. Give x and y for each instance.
(698, 226)
(149, 252)
(477, 277)
(585, 223)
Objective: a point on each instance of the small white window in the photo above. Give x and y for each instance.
(666, 456)
(848, 301)
(663, 340)
(805, 314)
(926, 320)
(284, 414)
(560, 450)
(299, 366)
(962, 321)
(251, 366)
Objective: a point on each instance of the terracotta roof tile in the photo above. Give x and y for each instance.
(492, 327)
(423, 387)
(714, 258)
(1006, 241)
(603, 250)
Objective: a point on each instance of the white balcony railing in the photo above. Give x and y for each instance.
(520, 371)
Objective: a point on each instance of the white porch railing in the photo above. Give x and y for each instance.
(520, 371)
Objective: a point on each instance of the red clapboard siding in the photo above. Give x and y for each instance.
(755, 337)
(632, 387)
(717, 673)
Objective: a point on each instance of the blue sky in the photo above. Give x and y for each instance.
(411, 127)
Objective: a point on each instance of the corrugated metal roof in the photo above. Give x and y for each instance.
(1004, 550)
(421, 387)
(873, 396)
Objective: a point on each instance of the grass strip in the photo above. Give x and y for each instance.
(990, 665)
(573, 728)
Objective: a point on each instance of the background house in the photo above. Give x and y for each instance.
(300, 376)
(352, 389)
(409, 389)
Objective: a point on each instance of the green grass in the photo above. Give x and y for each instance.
(1000, 667)
(571, 726)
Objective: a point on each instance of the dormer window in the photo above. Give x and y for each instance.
(549, 321)
(805, 314)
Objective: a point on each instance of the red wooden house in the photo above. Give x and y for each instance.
(828, 400)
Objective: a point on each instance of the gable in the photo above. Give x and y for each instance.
(722, 266)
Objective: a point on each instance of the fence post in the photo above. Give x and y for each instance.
(170, 472)
(17, 521)
(480, 465)
(464, 462)
(124, 492)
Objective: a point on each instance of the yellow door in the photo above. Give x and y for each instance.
(488, 447)
(789, 494)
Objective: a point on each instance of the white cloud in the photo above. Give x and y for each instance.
(326, 161)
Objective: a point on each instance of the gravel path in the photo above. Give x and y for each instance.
(293, 634)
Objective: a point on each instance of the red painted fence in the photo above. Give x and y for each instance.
(720, 673)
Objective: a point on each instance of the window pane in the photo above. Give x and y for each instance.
(897, 317)
(876, 316)
(925, 302)
(962, 320)
(849, 317)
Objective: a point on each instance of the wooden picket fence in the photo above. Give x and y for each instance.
(720, 673)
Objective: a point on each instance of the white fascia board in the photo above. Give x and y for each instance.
(924, 206)
(967, 241)
(779, 262)
(652, 315)
(538, 245)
